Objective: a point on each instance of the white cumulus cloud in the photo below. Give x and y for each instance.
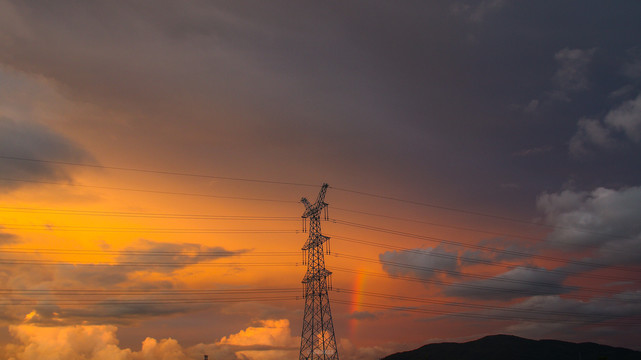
(605, 219)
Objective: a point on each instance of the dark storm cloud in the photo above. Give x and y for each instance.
(32, 140)
(592, 313)
(519, 282)
(511, 249)
(427, 90)
(623, 305)
(424, 263)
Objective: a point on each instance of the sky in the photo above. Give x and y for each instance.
(482, 160)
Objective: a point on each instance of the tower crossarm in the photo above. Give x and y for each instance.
(316, 207)
(317, 240)
(319, 275)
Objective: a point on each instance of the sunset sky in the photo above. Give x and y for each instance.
(483, 162)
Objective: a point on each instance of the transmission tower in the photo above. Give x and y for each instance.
(318, 340)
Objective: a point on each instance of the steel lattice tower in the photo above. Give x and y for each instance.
(318, 340)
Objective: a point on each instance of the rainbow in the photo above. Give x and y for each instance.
(357, 299)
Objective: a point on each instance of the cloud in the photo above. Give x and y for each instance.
(32, 140)
(632, 68)
(534, 151)
(113, 308)
(68, 343)
(592, 217)
(627, 118)
(7, 238)
(84, 342)
(622, 91)
(531, 106)
(477, 11)
(622, 305)
(422, 262)
(125, 313)
(604, 219)
(274, 335)
(267, 340)
(267, 332)
(571, 75)
(512, 249)
(516, 283)
(183, 254)
(165, 349)
(589, 133)
(594, 314)
(362, 315)
(624, 120)
(226, 69)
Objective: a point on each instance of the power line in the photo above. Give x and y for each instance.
(137, 263)
(262, 291)
(483, 261)
(398, 297)
(484, 288)
(251, 295)
(223, 254)
(146, 292)
(271, 218)
(358, 192)
(488, 262)
(162, 172)
(148, 191)
(145, 230)
(479, 316)
(433, 223)
(461, 244)
(476, 213)
(476, 230)
(190, 253)
(33, 302)
(227, 217)
(436, 206)
(476, 276)
(138, 214)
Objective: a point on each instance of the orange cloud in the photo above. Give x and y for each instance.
(268, 340)
(79, 342)
(270, 332)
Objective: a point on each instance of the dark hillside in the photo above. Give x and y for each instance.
(507, 347)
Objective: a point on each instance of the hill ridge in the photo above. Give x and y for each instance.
(509, 347)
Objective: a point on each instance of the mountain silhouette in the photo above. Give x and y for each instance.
(508, 347)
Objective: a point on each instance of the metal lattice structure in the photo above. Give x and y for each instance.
(318, 340)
